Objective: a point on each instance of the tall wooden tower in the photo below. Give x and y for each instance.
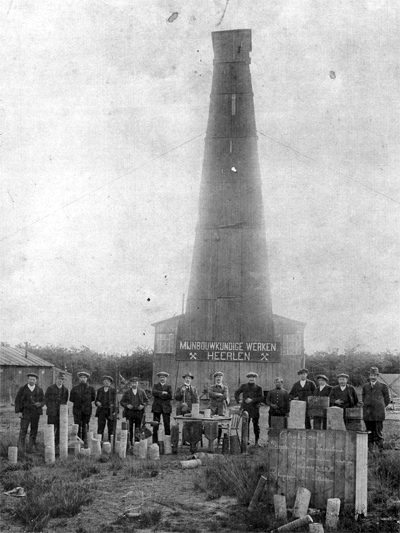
(228, 318)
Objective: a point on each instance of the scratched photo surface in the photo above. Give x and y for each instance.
(103, 113)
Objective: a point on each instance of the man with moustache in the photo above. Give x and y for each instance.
(375, 397)
(162, 394)
(252, 397)
(28, 404)
(107, 407)
(134, 402)
(278, 401)
(322, 390)
(56, 395)
(302, 389)
(82, 396)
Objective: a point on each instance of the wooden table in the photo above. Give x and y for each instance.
(193, 430)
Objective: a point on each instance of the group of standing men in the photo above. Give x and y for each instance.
(30, 400)
(375, 398)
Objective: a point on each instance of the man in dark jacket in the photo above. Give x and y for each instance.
(252, 396)
(343, 395)
(134, 402)
(56, 395)
(219, 395)
(278, 401)
(162, 394)
(375, 397)
(107, 407)
(28, 404)
(302, 389)
(82, 396)
(186, 395)
(322, 390)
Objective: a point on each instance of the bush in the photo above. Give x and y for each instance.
(46, 497)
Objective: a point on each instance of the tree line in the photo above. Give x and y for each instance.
(137, 363)
(352, 362)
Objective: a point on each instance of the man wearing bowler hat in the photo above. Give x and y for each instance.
(28, 404)
(302, 389)
(186, 395)
(82, 395)
(252, 397)
(107, 407)
(343, 395)
(56, 395)
(375, 397)
(162, 394)
(134, 402)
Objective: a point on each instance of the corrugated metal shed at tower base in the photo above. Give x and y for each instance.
(16, 363)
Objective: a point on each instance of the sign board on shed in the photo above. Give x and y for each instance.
(330, 464)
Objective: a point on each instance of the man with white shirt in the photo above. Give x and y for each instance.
(302, 389)
(343, 395)
(134, 402)
(187, 395)
(28, 404)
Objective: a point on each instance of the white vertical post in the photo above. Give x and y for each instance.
(63, 431)
(49, 450)
(361, 473)
(332, 513)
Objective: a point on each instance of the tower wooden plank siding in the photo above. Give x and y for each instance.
(228, 323)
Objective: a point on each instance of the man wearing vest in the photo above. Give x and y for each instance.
(278, 401)
(28, 404)
(107, 407)
(186, 395)
(134, 402)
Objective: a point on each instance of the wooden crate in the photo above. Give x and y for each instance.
(330, 464)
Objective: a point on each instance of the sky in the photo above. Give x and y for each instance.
(103, 112)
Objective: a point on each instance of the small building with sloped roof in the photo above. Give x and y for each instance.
(16, 363)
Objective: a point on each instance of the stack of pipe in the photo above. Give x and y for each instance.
(153, 452)
(95, 447)
(106, 448)
(49, 445)
(63, 431)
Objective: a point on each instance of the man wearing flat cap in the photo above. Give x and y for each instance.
(278, 401)
(56, 395)
(322, 390)
(134, 402)
(302, 389)
(107, 407)
(252, 397)
(343, 395)
(28, 404)
(162, 394)
(186, 395)
(82, 396)
(375, 397)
